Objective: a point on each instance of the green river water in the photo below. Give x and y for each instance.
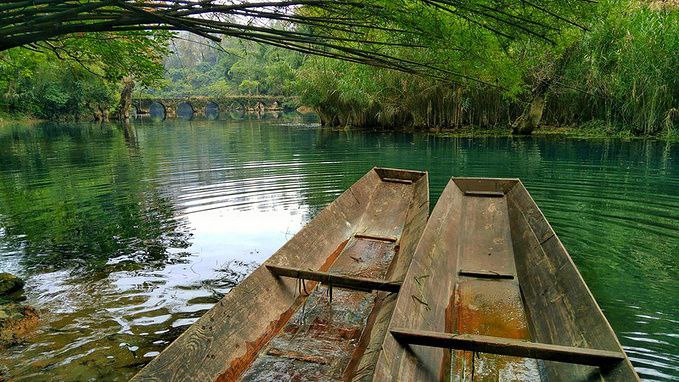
(126, 236)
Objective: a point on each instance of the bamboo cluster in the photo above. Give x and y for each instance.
(343, 29)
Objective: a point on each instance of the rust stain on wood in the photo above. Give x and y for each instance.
(238, 366)
(364, 340)
(503, 286)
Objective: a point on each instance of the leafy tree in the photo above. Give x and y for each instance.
(345, 29)
(72, 76)
(199, 68)
(624, 71)
(621, 72)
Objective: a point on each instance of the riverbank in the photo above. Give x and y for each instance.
(9, 118)
(587, 131)
(591, 130)
(17, 320)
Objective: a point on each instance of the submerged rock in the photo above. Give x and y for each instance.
(10, 284)
(16, 323)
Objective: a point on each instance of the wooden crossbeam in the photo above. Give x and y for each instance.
(507, 346)
(373, 237)
(487, 194)
(396, 180)
(341, 281)
(484, 274)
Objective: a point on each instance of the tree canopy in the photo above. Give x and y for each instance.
(358, 31)
(70, 76)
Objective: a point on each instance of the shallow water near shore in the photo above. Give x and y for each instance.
(126, 236)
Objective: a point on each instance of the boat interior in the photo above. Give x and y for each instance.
(327, 336)
(493, 295)
(373, 288)
(319, 307)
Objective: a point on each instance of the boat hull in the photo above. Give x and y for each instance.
(281, 323)
(492, 294)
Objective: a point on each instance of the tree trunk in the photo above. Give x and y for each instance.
(104, 113)
(96, 112)
(531, 118)
(125, 99)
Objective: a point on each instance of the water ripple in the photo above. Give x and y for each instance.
(126, 238)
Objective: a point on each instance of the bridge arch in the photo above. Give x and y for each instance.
(212, 110)
(157, 111)
(185, 111)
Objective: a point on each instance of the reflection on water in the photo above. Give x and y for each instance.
(127, 235)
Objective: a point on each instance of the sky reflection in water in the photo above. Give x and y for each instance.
(127, 236)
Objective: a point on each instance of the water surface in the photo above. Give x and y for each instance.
(128, 235)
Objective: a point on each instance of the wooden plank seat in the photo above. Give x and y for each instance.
(388, 239)
(396, 180)
(487, 194)
(493, 295)
(485, 274)
(336, 280)
(508, 347)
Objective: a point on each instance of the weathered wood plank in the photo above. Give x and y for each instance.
(364, 359)
(502, 185)
(396, 180)
(483, 274)
(223, 343)
(390, 239)
(394, 173)
(562, 308)
(489, 194)
(341, 281)
(427, 281)
(507, 346)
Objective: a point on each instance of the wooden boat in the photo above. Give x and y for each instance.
(320, 306)
(492, 294)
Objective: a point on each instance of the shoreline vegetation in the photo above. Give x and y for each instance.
(611, 73)
(587, 131)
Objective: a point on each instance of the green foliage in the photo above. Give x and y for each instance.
(75, 76)
(58, 91)
(233, 67)
(622, 71)
(486, 75)
(627, 66)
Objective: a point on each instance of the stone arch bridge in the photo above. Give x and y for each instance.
(208, 107)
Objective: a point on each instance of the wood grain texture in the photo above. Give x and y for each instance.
(509, 347)
(426, 284)
(562, 309)
(331, 323)
(363, 363)
(336, 280)
(482, 227)
(223, 343)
